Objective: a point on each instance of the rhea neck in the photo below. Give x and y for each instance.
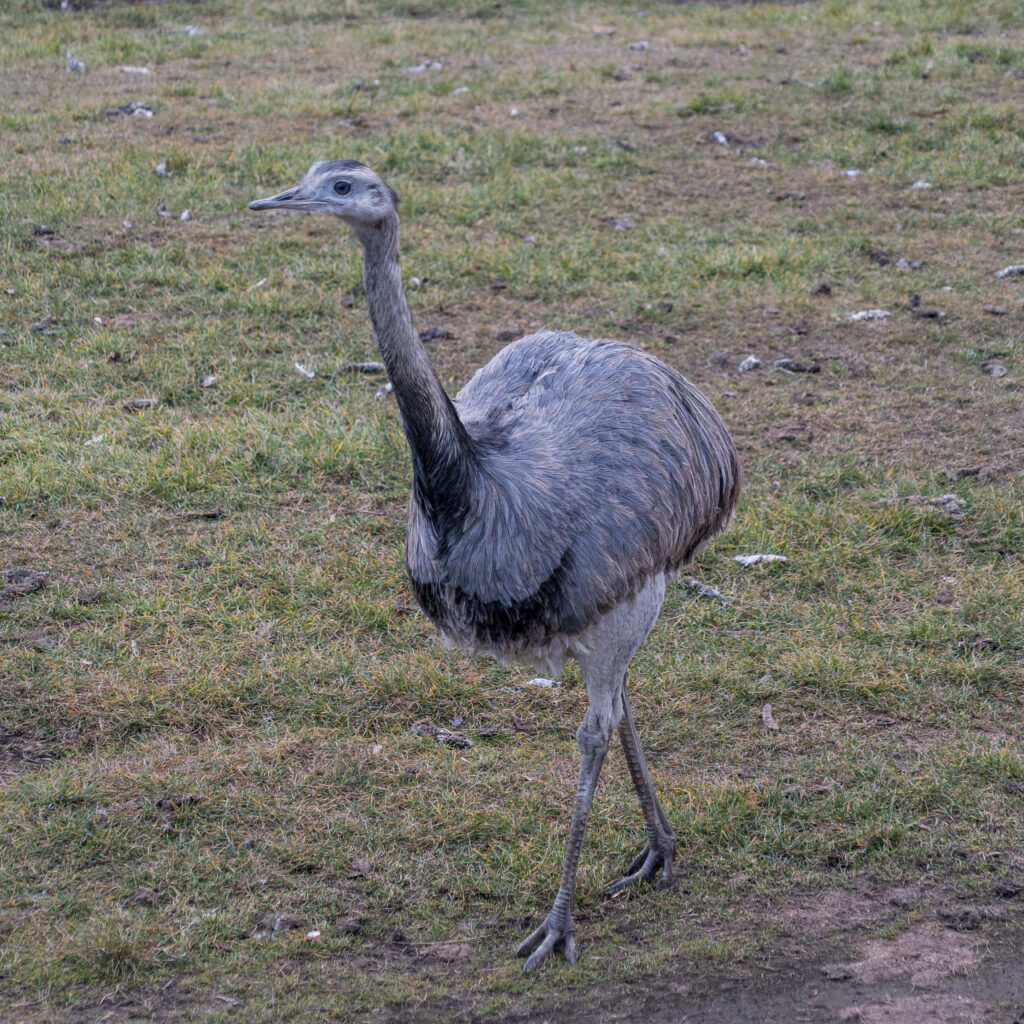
(441, 447)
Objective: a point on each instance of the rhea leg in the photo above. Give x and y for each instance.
(604, 655)
(661, 840)
(558, 930)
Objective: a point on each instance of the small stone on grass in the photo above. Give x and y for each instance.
(746, 560)
(273, 921)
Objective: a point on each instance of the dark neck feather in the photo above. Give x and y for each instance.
(441, 448)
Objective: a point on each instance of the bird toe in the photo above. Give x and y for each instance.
(643, 869)
(545, 940)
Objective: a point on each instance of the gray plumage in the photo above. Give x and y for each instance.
(569, 479)
(595, 467)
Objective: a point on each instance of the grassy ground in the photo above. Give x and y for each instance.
(206, 711)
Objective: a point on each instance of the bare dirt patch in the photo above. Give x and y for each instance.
(923, 975)
(921, 1010)
(22, 582)
(817, 915)
(19, 753)
(925, 956)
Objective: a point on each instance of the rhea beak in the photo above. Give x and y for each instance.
(284, 198)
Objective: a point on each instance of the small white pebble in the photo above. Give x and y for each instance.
(513, 112)
(720, 138)
(750, 363)
(186, 215)
(757, 161)
(461, 89)
(922, 184)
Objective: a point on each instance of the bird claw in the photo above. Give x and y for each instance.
(645, 865)
(548, 938)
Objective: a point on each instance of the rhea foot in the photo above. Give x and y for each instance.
(549, 937)
(646, 864)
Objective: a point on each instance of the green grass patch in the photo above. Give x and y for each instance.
(207, 709)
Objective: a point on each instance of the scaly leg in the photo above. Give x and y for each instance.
(661, 840)
(604, 654)
(558, 931)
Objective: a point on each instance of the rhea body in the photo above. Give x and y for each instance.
(552, 500)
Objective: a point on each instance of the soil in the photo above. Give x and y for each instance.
(826, 962)
(928, 974)
(19, 753)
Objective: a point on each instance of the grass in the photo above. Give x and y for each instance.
(224, 732)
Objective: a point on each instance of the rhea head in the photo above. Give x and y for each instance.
(345, 188)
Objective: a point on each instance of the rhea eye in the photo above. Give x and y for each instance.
(343, 187)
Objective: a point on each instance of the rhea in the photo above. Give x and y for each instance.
(552, 500)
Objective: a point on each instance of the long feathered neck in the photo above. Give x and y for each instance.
(441, 448)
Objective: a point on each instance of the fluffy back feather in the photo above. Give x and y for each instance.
(595, 467)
